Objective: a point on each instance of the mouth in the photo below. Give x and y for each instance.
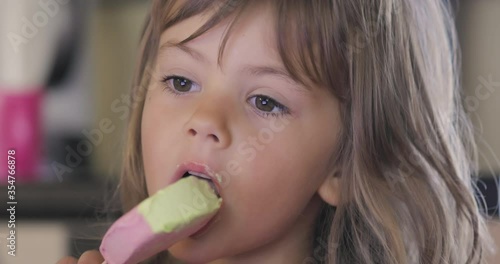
(206, 173)
(201, 171)
(204, 177)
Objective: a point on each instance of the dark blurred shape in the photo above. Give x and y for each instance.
(67, 48)
(488, 190)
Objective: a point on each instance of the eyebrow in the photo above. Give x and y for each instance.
(277, 72)
(250, 69)
(183, 47)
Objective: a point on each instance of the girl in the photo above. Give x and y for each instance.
(336, 126)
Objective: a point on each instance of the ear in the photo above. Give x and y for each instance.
(329, 190)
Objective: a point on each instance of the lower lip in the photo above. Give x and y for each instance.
(203, 230)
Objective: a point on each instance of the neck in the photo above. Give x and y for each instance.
(294, 246)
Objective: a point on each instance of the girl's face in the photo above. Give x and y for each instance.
(269, 138)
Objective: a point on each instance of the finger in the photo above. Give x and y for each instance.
(68, 260)
(91, 257)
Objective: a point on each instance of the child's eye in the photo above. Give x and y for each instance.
(268, 106)
(178, 84)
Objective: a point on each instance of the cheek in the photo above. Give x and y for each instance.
(157, 142)
(283, 176)
(296, 158)
(274, 188)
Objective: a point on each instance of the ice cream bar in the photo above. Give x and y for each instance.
(173, 213)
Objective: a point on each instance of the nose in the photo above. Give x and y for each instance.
(209, 124)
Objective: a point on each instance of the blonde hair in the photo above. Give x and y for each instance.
(405, 155)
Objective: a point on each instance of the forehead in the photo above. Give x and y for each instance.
(272, 32)
(251, 37)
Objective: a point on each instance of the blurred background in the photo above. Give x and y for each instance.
(65, 72)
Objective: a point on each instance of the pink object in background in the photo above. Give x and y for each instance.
(20, 130)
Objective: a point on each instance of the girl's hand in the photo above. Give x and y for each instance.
(88, 257)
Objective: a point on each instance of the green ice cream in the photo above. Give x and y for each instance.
(180, 204)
